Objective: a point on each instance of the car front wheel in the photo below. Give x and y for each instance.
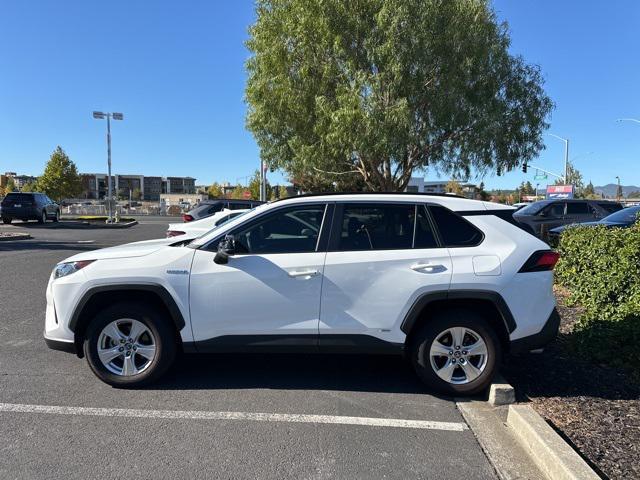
(6, 220)
(129, 345)
(43, 217)
(456, 352)
(56, 218)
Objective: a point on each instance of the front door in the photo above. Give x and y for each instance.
(381, 258)
(269, 291)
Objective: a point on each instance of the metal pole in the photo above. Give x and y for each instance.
(109, 165)
(566, 161)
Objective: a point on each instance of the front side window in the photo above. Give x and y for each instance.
(292, 230)
(555, 210)
(377, 227)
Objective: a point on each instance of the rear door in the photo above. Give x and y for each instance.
(578, 212)
(381, 258)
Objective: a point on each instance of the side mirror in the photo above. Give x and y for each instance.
(226, 249)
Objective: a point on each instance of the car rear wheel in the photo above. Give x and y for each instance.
(6, 220)
(456, 352)
(129, 345)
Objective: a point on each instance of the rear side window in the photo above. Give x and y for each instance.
(424, 236)
(578, 208)
(610, 207)
(238, 205)
(454, 230)
(376, 227)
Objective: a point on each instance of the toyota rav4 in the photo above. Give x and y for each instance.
(453, 284)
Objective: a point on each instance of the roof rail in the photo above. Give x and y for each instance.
(306, 195)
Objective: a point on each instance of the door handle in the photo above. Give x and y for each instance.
(427, 267)
(303, 273)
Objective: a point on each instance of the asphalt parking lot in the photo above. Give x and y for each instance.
(224, 416)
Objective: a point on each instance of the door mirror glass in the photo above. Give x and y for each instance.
(226, 249)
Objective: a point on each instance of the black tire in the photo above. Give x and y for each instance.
(56, 217)
(421, 342)
(6, 220)
(158, 324)
(43, 217)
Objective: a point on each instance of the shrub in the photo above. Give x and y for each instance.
(601, 269)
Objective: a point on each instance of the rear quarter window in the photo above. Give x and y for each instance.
(454, 230)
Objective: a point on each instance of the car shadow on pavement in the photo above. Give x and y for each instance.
(561, 372)
(360, 373)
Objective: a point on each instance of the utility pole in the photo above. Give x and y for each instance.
(618, 189)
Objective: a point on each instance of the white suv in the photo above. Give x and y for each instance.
(451, 283)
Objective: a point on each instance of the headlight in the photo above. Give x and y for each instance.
(64, 269)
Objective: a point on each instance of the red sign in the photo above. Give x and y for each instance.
(246, 194)
(560, 191)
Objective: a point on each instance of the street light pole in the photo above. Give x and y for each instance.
(618, 189)
(566, 156)
(108, 116)
(110, 187)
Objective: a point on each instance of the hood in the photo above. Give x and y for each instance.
(135, 249)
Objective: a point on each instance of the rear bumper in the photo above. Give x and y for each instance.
(546, 335)
(27, 212)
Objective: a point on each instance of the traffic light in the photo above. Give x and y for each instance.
(524, 167)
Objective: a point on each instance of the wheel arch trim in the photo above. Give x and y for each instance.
(159, 290)
(424, 300)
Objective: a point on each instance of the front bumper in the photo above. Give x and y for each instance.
(63, 346)
(539, 340)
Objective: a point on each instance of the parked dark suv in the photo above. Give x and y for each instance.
(206, 208)
(544, 215)
(29, 206)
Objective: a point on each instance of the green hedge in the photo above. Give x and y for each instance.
(601, 269)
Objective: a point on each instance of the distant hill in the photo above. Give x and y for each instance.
(610, 189)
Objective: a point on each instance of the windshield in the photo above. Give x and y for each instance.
(626, 215)
(205, 237)
(533, 209)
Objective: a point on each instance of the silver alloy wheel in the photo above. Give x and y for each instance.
(57, 215)
(44, 216)
(126, 347)
(458, 355)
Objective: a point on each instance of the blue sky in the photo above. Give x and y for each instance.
(176, 70)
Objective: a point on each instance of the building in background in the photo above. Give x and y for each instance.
(419, 185)
(19, 181)
(96, 186)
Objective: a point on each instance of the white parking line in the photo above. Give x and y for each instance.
(247, 416)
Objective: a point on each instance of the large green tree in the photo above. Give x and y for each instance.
(60, 178)
(373, 90)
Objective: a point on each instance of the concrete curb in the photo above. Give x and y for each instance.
(547, 449)
(17, 236)
(501, 392)
(109, 225)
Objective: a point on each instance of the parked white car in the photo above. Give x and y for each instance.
(449, 282)
(199, 227)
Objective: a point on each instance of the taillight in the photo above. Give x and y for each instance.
(187, 218)
(174, 233)
(541, 261)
